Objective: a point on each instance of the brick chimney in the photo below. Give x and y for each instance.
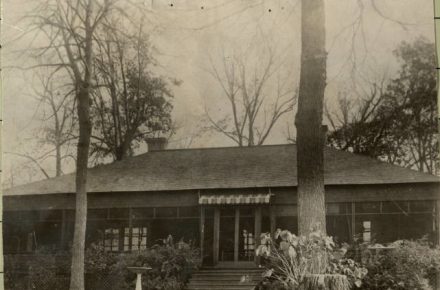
(157, 144)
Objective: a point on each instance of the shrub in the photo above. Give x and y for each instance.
(406, 265)
(307, 262)
(43, 271)
(172, 265)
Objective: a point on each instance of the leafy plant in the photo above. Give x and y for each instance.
(44, 270)
(172, 265)
(98, 260)
(404, 265)
(307, 262)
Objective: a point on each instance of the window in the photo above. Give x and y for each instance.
(332, 208)
(138, 238)
(337, 208)
(289, 223)
(192, 211)
(394, 207)
(96, 214)
(166, 212)
(286, 210)
(209, 212)
(421, 206)
(111, 240)
(142, 213)
(118, 213)
(247, 211)
(366, 235)
(339, 227)
(70, 215)
(53, 215)
(367, 207)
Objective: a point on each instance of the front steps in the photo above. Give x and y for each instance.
(227, 279)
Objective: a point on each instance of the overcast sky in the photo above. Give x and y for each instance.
(187, 37)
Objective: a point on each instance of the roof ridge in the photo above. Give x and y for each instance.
(219, 147)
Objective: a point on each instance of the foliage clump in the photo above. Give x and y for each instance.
(405, 265)
(171, 263)
(395, 121)
(307, 262)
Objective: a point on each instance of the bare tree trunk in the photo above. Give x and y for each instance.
(310, 133)
(58, 160)
(57, 140)
(77, 272)
(85, 128)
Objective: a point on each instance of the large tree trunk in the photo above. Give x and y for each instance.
(310, 133)
(78, 247)
(57, 141)
(58, 159)
(85, 130)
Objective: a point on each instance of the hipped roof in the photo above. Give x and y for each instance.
(230, 167)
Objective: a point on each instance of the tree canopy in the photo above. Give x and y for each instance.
(131, 103)
(395, 122)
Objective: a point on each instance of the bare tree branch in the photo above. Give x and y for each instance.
(254, 107)
(31, 159)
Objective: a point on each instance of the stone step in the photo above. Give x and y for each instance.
(229, 275)
(220, 279)
(225, 278)
(219, 282)
(244, 287)
(228, 272)
(214, 269)
(228, 288)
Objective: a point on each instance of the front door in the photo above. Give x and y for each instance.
(234, 241)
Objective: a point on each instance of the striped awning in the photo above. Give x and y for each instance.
(234, 199)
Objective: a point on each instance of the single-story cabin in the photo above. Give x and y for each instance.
(220, 199)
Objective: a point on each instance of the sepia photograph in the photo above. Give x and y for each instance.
(221, 144)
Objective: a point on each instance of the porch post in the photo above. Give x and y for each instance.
(63, 230)
(273, 220)
(202, 230)
(130, 229)
(437, 222)
(353, 221)
(437, 234)
(216, 234)
(236, 233)
(257, 231)
(121, 238)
